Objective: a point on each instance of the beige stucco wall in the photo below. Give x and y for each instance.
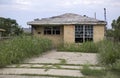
(98, 33)
(69, 33)
(56, 39)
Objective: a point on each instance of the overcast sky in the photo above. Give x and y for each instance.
(28, 10)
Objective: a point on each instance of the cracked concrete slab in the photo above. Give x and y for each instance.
(59, 72)
(70, 57)
(52, 57)
(20, 76)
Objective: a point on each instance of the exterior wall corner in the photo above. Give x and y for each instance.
(69, 34)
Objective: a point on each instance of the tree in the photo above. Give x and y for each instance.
(116, 29)
(11, 26)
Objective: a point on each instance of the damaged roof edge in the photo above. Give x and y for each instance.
(68, 18)
(66, 23)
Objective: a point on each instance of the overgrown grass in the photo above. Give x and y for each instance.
(84, 47)
(92, 72)
(95, 73)
(63, 61)
(109, 54)
(19, 48)
(111, 75)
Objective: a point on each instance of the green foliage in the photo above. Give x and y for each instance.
(116, 65)
(57, 66)
(92, 72)
(19, 48)
(89, 47)
(116, 29)
(109, 52)
(11, 26)
(67, 47)
(109, 33)
(110, 75)
(84, 47)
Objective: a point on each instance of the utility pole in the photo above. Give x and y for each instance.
(105, 14)
(105, 21)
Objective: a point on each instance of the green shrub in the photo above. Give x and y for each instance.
(19, 48)
(109, 53)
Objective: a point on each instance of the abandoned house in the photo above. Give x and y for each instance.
(69, 28)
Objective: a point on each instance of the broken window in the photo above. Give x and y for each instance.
(83, 33)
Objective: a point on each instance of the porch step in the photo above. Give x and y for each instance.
(52, 66)
(23, 76)
(40, 72)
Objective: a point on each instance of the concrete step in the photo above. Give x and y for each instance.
(50, 66)
(21, 76)
(30, 71)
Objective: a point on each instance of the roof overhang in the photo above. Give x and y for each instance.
(67, 19)
(83, 23)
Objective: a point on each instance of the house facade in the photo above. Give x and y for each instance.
(69, 28)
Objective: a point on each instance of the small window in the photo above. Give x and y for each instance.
(47, 30)
(39, 32)
(52, 30)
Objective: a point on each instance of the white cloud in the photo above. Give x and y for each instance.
(16, 5)
(115, 4)
(68, 3)
(23, 2)
(51, 7)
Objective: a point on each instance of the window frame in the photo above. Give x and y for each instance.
(52, 30)
(85, 35)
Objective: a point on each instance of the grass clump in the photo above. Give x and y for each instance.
(111, 75)
(19, 48)
(62, 61)
(92, 72)
(77, 47)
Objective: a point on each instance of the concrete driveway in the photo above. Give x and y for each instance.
(51, 64)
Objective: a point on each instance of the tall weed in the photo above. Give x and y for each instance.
(109, 54)
(77, 47)
(19, 48)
